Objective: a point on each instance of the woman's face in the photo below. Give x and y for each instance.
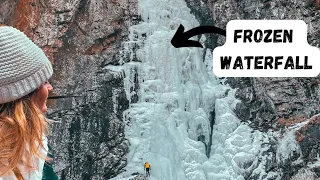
(40, 96)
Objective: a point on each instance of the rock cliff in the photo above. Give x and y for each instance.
(82, 37)
(277, 103)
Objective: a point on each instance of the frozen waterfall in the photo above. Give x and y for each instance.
(183, 111)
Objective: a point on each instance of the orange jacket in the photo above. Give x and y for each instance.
(147, 165)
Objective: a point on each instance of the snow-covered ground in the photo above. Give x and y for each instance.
(178, 93)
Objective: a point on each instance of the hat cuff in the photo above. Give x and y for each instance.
(17, 90)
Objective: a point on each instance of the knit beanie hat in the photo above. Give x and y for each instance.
(23, 65)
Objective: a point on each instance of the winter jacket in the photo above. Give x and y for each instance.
(44, 172)
(147, 165)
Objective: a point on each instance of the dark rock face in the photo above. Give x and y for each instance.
(91, 135)
(81, 37)
(93, 98)
(309, 138)
(201, 10)
(269, 99)
(6, 10)
(272, 98)
(275, 103)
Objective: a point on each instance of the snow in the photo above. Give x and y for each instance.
(287, 146)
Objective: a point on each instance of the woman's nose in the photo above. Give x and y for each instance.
(49, 87)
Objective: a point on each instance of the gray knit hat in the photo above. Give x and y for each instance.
(23, 65)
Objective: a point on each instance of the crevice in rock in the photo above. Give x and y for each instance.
(135, 88)
(212, 122)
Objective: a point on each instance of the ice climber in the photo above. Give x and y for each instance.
(147, 167)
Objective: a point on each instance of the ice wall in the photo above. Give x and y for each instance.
(169, 125)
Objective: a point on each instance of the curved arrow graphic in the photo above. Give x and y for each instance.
(181, 38)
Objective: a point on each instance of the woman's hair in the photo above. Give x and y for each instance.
(22, 126)
(23, 68)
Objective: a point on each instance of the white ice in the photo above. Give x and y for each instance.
(177, 93)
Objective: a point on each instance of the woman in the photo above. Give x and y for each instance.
(24, 88)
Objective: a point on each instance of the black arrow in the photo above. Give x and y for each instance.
(180, 38)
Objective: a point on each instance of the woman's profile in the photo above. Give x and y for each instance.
(24, 88)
